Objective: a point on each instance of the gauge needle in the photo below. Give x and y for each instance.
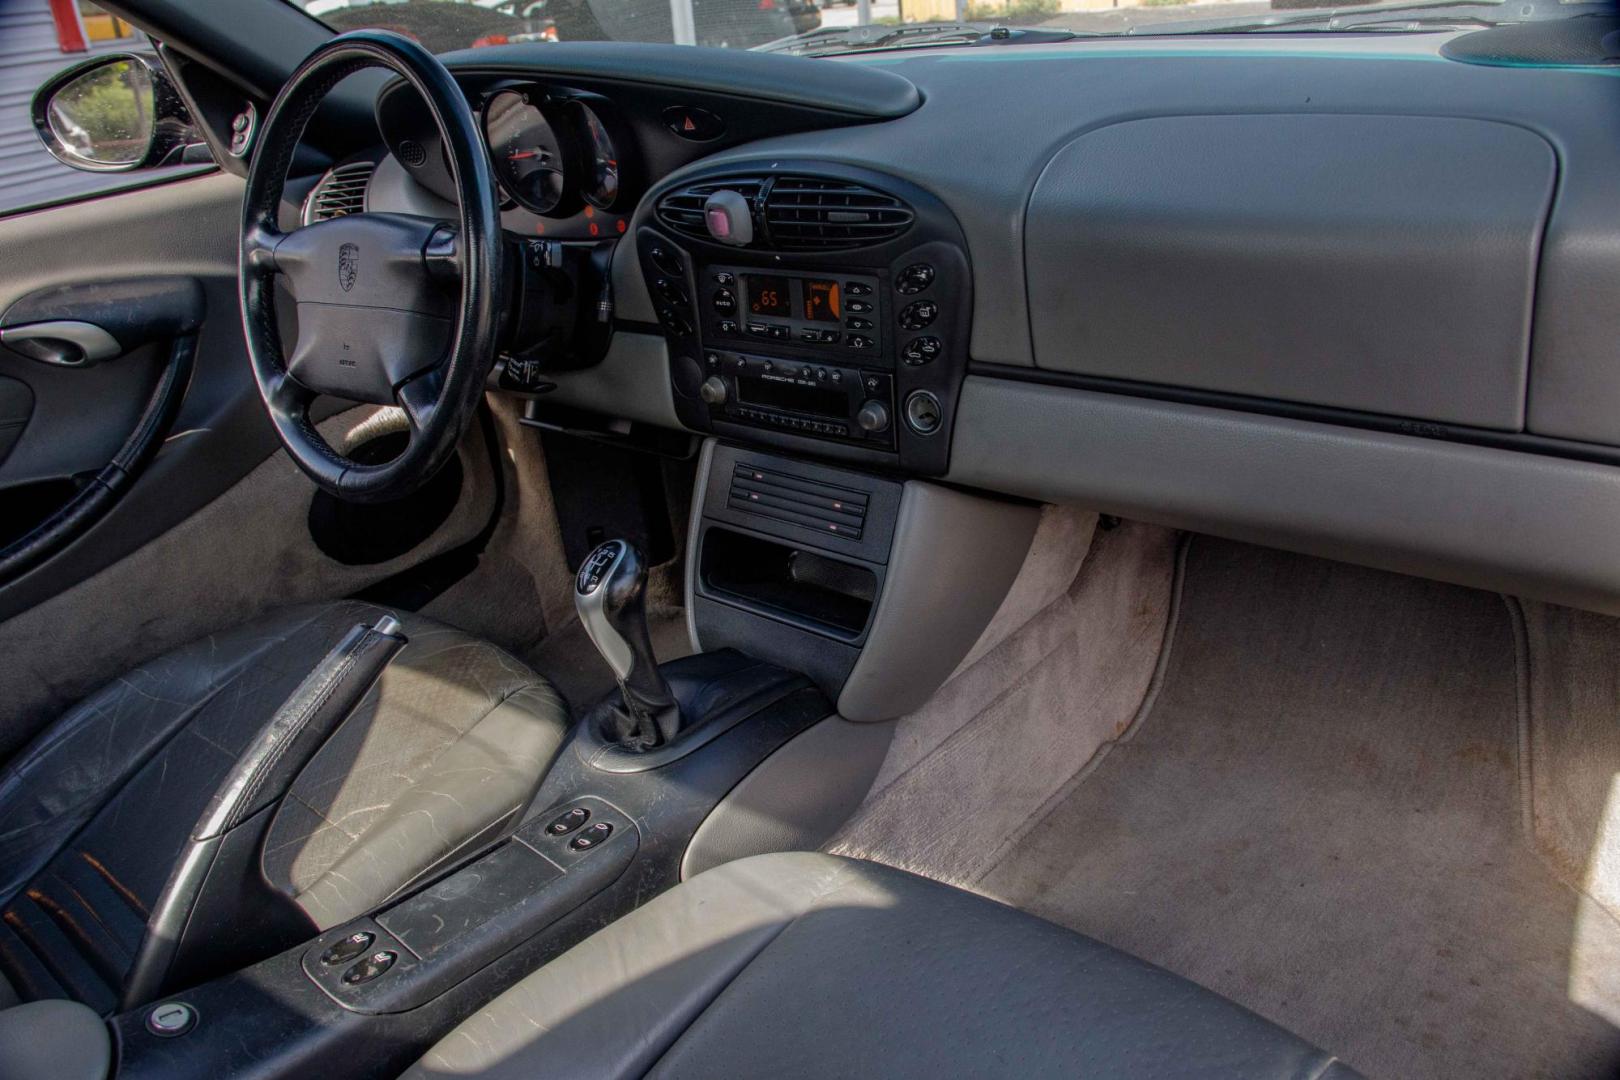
(519, 155)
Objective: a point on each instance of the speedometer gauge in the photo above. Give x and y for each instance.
(602, 166)
(532, 159)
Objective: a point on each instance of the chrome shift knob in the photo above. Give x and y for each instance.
(610, 595)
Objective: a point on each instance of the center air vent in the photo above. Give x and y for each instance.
(804, 214)
(683, 210)
(796, 213)
(341, 191)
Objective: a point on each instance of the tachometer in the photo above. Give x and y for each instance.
(533, 158)
(602, 168)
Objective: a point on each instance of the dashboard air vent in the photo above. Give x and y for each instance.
(805, 214)
(683, 210)
(341, 191)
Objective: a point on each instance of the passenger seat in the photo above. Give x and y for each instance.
(801, 965)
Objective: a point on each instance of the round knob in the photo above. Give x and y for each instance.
(873, 417)
(713, 390)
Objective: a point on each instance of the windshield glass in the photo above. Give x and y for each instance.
(824, 27)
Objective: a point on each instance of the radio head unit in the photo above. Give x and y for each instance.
(825, 400)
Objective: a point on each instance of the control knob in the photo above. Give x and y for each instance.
(713, 391)
(872, 417)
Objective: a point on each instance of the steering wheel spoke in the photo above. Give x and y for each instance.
(420, 396)
(259, 243)
(442, 254)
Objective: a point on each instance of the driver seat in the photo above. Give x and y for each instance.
(250, 790)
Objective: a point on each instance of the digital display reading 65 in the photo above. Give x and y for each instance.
(821, 301)
(768, 295)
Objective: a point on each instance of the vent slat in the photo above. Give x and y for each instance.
(339, 193)
(807, 213)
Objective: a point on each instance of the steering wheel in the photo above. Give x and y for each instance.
(391, 309)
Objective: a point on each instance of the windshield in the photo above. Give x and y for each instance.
(823, 27)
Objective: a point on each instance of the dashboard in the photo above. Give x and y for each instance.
(1336, 295)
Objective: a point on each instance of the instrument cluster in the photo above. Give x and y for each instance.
(553, 155)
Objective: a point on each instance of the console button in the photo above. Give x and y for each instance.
(665, 259)
(915, 278)
(921, 350)
(858, 307)
(727, 326)
(810, 335)
(348, 948)
(923, 414)
(858, 324)
(671, 290)
(725, 302)
(591, 837)
(857, 288)
(369, 968)
(690, 122)
(674, 322)
(711, 361)
(568, 822)
(759, 329)
(725, 280)
(781, 333)
(857, 341)
(918, 314)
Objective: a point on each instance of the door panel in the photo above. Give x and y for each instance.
(216, 529)
(81, 416)
(16, 406)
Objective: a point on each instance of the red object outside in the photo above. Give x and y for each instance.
(69, 30)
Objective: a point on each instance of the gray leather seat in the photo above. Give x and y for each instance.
(814, 965)
(410, 766)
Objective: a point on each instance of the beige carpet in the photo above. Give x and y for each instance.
(982, 759)
(1320, 816)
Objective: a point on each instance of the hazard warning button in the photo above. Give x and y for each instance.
(690, 122)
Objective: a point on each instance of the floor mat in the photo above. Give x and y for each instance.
(1319, 817)
(989, 750)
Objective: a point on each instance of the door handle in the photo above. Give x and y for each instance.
(81, 325)
(63, 342)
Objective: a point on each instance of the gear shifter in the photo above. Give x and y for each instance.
(610, 595)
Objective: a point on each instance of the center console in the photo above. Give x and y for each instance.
(812, 309)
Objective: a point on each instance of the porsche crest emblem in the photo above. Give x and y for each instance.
(348, 265)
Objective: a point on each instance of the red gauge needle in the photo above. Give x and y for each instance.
(519, 155)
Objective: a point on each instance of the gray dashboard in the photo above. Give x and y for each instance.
(1336, 292)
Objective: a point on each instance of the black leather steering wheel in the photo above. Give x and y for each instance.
(392, 309)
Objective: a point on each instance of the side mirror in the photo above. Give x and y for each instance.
(115, 113)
